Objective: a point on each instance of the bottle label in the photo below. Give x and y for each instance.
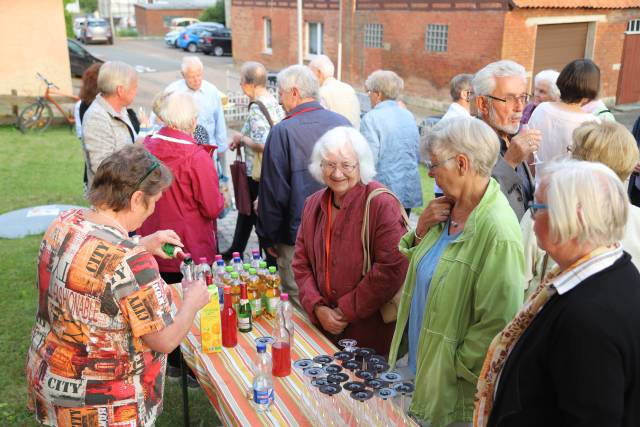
(263, 397)
(272, 305)
(256, 307)
(244, 323)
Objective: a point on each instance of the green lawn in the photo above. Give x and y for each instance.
(37, 170)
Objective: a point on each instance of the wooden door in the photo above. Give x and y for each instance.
(629, 79)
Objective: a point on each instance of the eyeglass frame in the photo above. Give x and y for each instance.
(507, 101)
(535, 207)
(431, 166)
(154, 165)
(331, 166)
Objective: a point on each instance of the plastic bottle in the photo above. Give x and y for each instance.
(244, 274)
(218, 275)
(263, 394)
(244, 311)
(281, 347)
(255, 298)
(187, 267)
(237, 262)
(235, 290)
(203, 269)
(272, 292)
(256, 258)
(210, 327)
(229, 321)
(286, 309)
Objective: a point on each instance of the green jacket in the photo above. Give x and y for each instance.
(475, 290)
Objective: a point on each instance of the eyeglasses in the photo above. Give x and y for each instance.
(344, 167)
(535, 207)
(569, 148)
(512, 99)
(155, 163)
(431, 166)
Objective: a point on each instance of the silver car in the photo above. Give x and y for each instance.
(96, 30)
(171, 38)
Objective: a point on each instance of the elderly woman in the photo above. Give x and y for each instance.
(392, 134)
(264, 112)
(337, 293)
(613, 145)
(104, 320)
(570, 356)
(544, 90)
(106, 126)
(579, 83)
(465, 270)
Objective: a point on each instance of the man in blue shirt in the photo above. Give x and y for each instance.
(285, 182)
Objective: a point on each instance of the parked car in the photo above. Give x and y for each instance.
(188, 39)
(171, 38)
(216, 42)
(96, 30)
(78, 23)
(80, 58)
(179, 24)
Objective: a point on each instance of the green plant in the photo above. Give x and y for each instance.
(214, 13)
(68, 19)
(89, 6)
(128, 32)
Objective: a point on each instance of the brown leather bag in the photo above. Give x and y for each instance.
(241, 184)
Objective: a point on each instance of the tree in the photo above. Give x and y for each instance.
(214, 13)
(89, 6)
(68, 19)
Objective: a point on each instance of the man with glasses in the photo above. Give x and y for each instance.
(501, 95)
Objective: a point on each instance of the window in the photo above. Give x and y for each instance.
(436, 38)
(373, 34)
(267, 35)
(633, 27)
(314, 38)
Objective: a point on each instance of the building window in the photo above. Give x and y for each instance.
(437, 37)
(314, 38)
(267, 35)
(373, 34)
(633, 27)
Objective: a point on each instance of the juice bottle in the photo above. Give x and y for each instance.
(210, 324)
(244, 311)
(244, 274)
(235, 290)
(255, 298)
(281, 347)
(272, 291)
(229, 321)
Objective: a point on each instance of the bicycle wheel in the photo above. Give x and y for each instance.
(35, 117)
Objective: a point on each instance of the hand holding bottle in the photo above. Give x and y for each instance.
(195, 294)
(153, 242)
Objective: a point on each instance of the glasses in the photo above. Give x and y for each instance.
(535, 207)
(155, 163)
(431, 166)
(344, 167)
(512, 99)
(569, 149)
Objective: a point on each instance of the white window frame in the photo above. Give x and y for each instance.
(436, 38)
(373, 36)
(267, 39)
(633, 26)
(320, 42)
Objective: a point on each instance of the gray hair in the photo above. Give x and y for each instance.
(253, 73)
(458, 84)
(484, 81)
(385, 82)
(179, 110)
(469, 136)
(113, 74)
(301, 78)
(587, 202)
(336, 139)
(549, 76)
(323, 64)
(189, 62)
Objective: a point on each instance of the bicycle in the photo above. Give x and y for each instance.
(39, 115)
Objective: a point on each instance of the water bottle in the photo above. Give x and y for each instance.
(285, 309)
(203, 270)
(237, 263)
(262, 382)
(256, 258)
(187, 267)
(218, 277)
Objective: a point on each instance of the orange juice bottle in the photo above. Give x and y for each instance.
(235, 290)
(255, 298)
(272, 292)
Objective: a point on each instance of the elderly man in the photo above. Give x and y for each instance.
(461, 91)
(285, 181)
(335, 95)
(501, 95)
(106, 126)
(207, 97)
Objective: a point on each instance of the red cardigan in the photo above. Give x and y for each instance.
(192, 203)
(359, 298)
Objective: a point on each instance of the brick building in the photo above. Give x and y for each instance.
(429, 41)
(153, 19)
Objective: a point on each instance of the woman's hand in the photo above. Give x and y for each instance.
(437, 211)
(331, 320)
(195, 294)
(236, 141)
(153, 242)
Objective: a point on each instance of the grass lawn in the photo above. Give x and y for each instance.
(38, 170)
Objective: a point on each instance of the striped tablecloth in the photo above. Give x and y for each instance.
(226, 377)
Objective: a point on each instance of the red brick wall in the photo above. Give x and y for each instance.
(150, 22)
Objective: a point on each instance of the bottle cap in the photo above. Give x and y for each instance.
(261, 347)
(256, 255)
(263, 264)
(284, 297)
(227, 290)
(252, 271)
(203, 260)
(218, 257)
(272, 269)
(228, 269)
(187, 258)
(234, 275)
(220, 263)
(243, 291)
(255, 251)
(246, 266)
(212, 288)
(235, 254)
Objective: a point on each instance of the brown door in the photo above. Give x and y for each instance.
(559, 44)
(629, 79)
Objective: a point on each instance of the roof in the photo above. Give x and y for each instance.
(168, 5)
(575, 4)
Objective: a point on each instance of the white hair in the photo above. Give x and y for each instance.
(549, 76)
(323, 64)
(484, 81)
(189, 62)
(301, 78)
(587, 202)
(385, 82)
(469, 136)
(113, 74)
(335, 140)
(178, 111)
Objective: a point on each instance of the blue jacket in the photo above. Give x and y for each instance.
(393, 136)
(285, 182)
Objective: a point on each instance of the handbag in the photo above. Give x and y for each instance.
(389, 310)
(257, 157)
(241, 184)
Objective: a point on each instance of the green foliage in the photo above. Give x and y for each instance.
(68, 19)
(128, 32)
(89, 6)
(214, 13)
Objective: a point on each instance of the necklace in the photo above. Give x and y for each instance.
(114, 222)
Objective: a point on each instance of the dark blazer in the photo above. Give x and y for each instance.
(578, 363)
(516, 184)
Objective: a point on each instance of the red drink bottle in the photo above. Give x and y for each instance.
(281, 347)
(229, 321)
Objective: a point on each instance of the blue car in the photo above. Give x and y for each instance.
(190, 36)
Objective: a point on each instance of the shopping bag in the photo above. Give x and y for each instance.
(241, 184)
